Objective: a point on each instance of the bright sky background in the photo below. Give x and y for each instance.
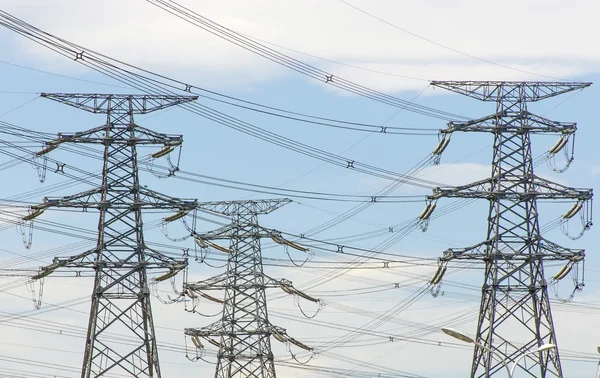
(421, 41)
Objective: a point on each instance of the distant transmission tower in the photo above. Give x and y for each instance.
(243, 333)
(120, 338)
(515, 307)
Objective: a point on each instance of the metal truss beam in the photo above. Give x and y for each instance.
(115, 104)
(244, 331)
(515, 311)
(121, 297)
(516, 91)
(250, 206)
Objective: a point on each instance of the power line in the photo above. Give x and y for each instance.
(444, 46)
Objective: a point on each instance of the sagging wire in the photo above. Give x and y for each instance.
(281, 335)
(296, 299)
(584, 208)
(25, 232)
(288, 288)
(37, 299)
(309, 256)
(34, 212)
(277, 238)
(201, 244)
(165, 151)
(171, 275)
(199, 349)
(569, 153)
(572, 268)
(40, 167)
(140, 81)
(170, 300)
(164, 228)
(203, 252)
(195, 298)
(205, 245)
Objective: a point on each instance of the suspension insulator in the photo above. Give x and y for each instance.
(162, 152)
(219, 248)
(49, 147)
(427, 211)
(441, 146)
(287, 289)
(33, 215)
(277, 239)
(190, 293)
(46, 271)
(213, 342)
(279, 337)
(201, 242)
(210, 297)
(438, 275)
(166, 276)
(177, 215)
(297, 246)
(197, 342)
(563, 272)
(559, 145)
(299, 344)
(573, 210)
(306, 296)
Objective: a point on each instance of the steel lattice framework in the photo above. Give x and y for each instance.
(244, 331)
(121, 298)
(514, 304)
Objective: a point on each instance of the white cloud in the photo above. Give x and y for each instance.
(140, 33)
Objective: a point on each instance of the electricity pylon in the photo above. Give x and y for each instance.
(514, 303)
(120, 338)
(244, 329)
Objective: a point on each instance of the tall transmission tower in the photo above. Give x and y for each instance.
(514, 305)
(244, 331)
(121, 299)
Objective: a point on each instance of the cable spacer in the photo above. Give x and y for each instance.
(60, 168)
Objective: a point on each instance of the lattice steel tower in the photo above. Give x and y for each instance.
(515, 314)
(121, 299)
(244, 329)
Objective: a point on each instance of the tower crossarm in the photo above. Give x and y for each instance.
(108, 133)
(244, 331)
(251, 206)
(88, 260)
(220, 283)
(92, 199)
(517, 122)
(510, 90)
(232, 231)
(116, 103)
(487, 251)
(511, 189)
(217, 330)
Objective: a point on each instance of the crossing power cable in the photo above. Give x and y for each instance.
(115, 69)
(445, 46)
(273, 55)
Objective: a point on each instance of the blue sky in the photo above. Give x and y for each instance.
(143, 35)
